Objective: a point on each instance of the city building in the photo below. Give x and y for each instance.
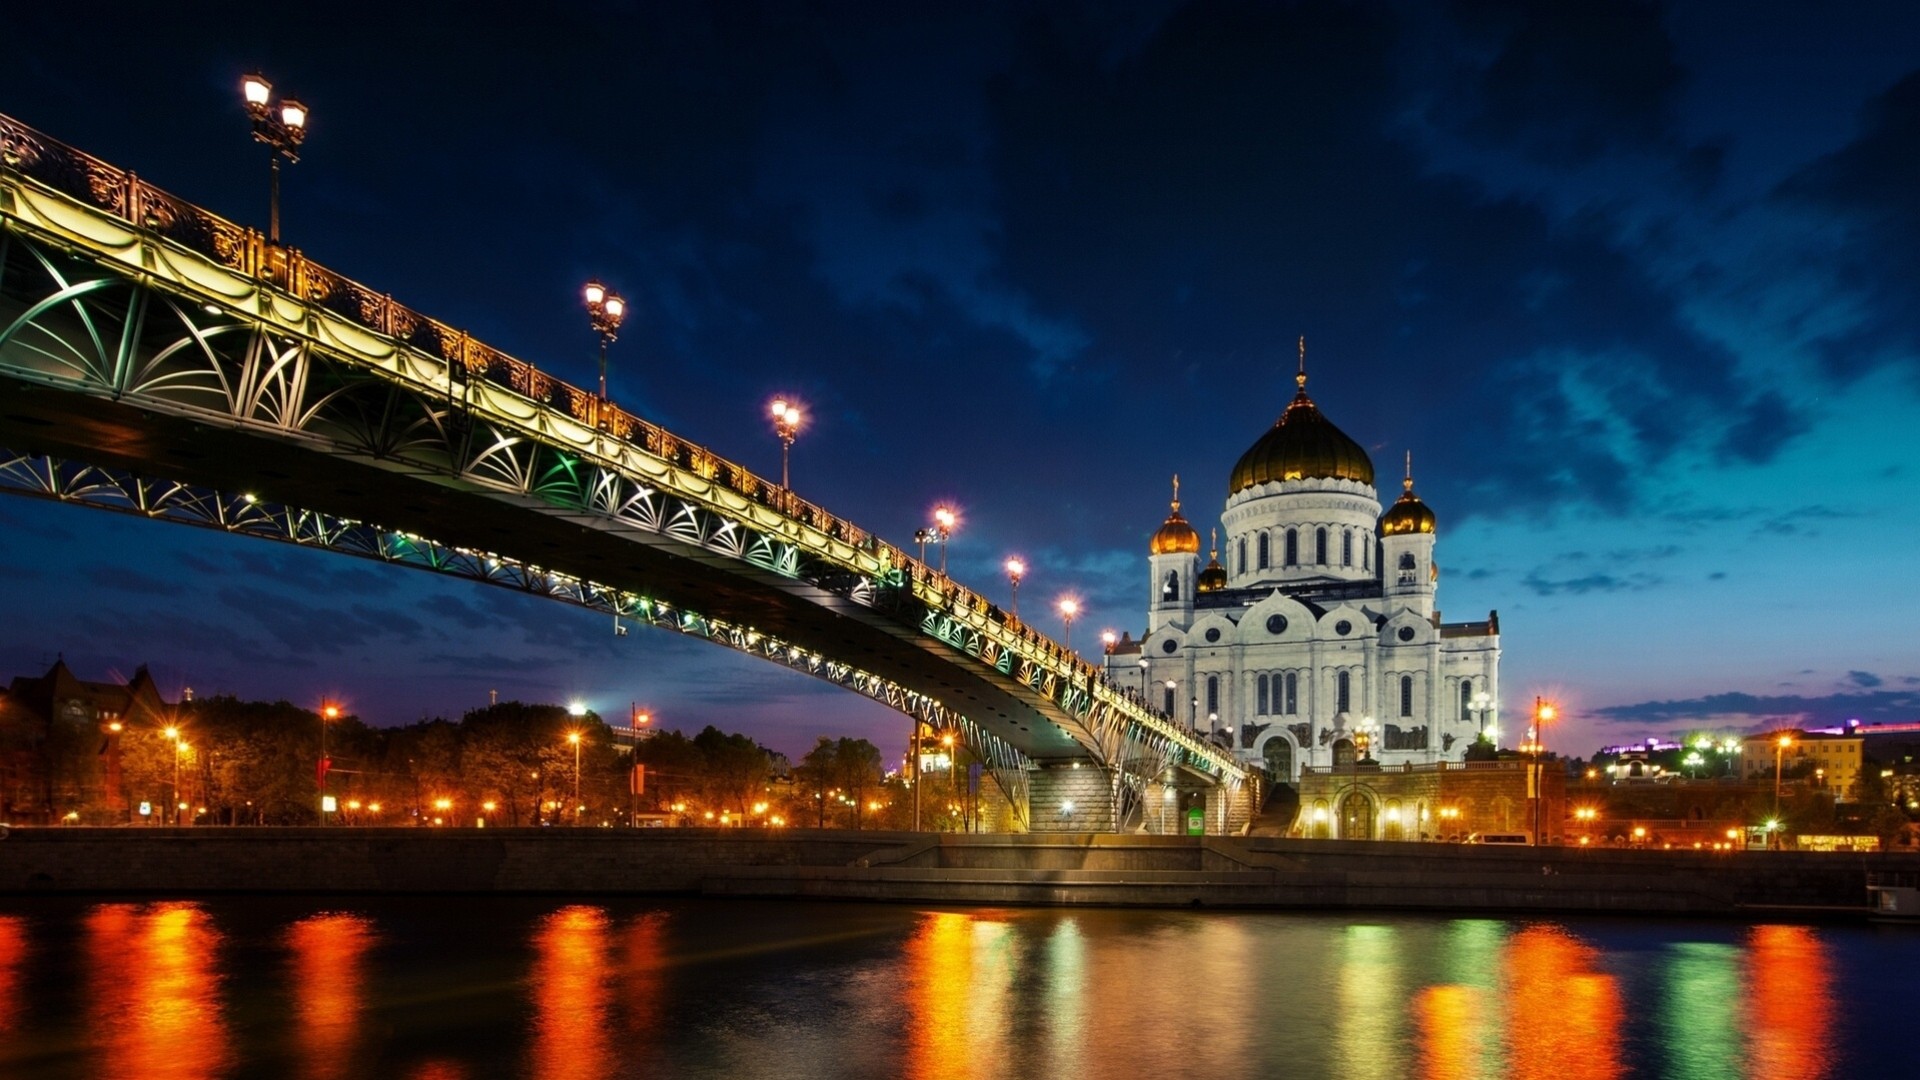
(60, 740)
(1831, 762)
(1313, 634)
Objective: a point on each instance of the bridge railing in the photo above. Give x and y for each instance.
(81, 176)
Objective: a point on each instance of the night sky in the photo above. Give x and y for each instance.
(1638, 286)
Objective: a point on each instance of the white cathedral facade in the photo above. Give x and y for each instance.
(1320, 633)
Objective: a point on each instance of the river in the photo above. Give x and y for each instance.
(455, 987)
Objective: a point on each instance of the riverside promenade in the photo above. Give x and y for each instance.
(1050, 869)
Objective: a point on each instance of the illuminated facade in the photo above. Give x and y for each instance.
(1314, 629)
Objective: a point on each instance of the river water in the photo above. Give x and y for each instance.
(457, 987)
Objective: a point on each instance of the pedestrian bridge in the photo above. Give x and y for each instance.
(156, 359)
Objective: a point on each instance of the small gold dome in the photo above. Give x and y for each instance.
(1214, 577)
(1175, 536)
(1299, 445)
(1408, 514)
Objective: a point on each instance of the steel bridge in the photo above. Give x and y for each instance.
(156, 359)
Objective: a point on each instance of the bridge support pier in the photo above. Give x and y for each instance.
(1068, 796)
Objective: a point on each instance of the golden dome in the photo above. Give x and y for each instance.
(1408, 514)
(1175, 536)
(1299, 445)
(1214, 577)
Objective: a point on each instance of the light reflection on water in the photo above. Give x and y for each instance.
(572, 997)
(327, 976)
(154, 992)
(546, 989)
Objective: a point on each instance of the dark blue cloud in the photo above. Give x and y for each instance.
(1872, 188)
(1760, 712)
(1864, 678)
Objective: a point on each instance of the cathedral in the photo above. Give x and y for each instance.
(1317, 639)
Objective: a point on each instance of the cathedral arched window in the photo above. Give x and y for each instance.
(1293, 547)
(1169, 706)
(1406, 695)
(1346, 547)
(1341, 685)
(1466, 699)
(1243, 555)
(1171, 590)
(1293, 694)
(1262, 710)
(1366, 555)
(1407, 567)
(1406, 561)
(1320, 546)
(1265, 553)
(1213, 695)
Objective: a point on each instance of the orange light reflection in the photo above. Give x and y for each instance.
(13, 952)
(643, 975)
(1790, 1003)
(571, 996)
(939, 963)
(154, 992)
(1564, 1016)
(1450, 1031)
(328, 975)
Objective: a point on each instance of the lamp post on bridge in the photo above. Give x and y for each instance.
(605, 312)
(282, 133)
(1016, 569)
(944, 521)
(1069, 607)
(786, 425)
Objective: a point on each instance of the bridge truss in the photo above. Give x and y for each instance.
(116, 298)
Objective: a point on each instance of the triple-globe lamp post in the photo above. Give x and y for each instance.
(786, 425)
(1016, 569)
(605, 312)
(281, 128)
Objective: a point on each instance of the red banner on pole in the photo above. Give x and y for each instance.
(637, 780)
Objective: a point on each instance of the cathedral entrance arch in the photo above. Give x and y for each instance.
(1356, 816)
(1277, 753)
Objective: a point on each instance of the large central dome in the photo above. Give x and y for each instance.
(1301, 444)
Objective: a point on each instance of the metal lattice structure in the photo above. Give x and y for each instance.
(143, 337)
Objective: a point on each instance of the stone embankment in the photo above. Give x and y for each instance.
(1060, 869)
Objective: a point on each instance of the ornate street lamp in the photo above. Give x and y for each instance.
(1069, 607)
(1015, 570)
(786, 424)
(1482, 704)
(1108, 639)
(282, 130)
(944, 521)
(605, 311)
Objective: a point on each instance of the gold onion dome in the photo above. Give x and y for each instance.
(1214, 577)
(1408, 514)
(1175, 536)
(1301, 444)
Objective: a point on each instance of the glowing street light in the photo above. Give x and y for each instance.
(574, 738)
(328, 712)
(1108, 639)
(1069, 607)
(1544, 712)
(786, 425)
(605, 312)
(282, 133)
(1015, 571)
(1780, 745)
(944, 522)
